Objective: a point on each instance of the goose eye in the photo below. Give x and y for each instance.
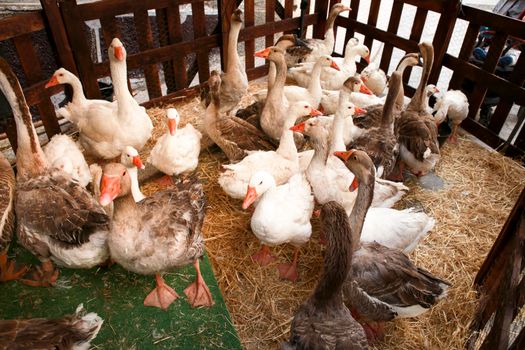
(124, 173)
(260, 183)
(305, 106)
(355, 157)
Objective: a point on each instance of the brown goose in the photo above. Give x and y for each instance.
(158, 233)
(234, 79)
(56, 217)
(380, 143)
(7, 220)
(233, 135)
(374, 115)
(416, 129)
(384, 273)
(323, 321)
(72, 332)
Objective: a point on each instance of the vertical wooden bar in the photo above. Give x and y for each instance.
(493, 55)
(270, 17)
(469, 41)
(161, 16)
(393, 25)
(415, 35)
(33, 72)
(199, 30)
(321, 9)
(288, 11)
(352, 15)
(60, 40)
(506, 102)
(444, 30)
(249, 21)
(74, 28)
(175, 35)
(145, 39)
(372, 20)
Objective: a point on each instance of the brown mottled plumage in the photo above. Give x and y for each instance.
(233, 135)
(384, 273)
(7, 194)
(56, 217)
(380, 143)
(323, 321)
(72, 332)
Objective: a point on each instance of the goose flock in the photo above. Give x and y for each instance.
(334, 145)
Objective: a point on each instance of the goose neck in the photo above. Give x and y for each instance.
(365, 192)
(233, 39)
(287, 147)
(135, 189)
(78, 91)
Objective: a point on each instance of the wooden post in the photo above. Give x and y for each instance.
(321, 9)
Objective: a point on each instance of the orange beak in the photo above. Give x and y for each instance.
(172, 125)
(109, 189)
(138, 162)
(52, 82)
(365, 90)
(263, 53)
(346, 8)
(119, 53)
(334, 66)
(344, 155)
(298, 128)
(437, 90)
(251, 196)
(360, 111)
(367, 58)
(314, 112)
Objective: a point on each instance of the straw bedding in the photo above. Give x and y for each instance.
(481, 188)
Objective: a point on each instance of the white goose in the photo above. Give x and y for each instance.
(359, 95)
(269, 225)
(453, 104)
(280, 164)
(177, 151)
(63, 153)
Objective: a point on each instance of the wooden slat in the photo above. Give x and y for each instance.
(393, 25)
(443, 35)
(288, 11)
(372, 21)
(434, 5)
(95, 10)
(165, 53)
(352, 18)
(321, 9)
(21, 23)
(482, 78)
(199, 31)
(493, 55)
(415, 35)
(145, 39)
(504, 106)
(33, 73)
(161, 15)
(249, 21)
(497, 22)
(175, 36)
(81, 50)
(270, 17)
(469, 41)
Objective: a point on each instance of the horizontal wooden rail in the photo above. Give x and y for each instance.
(16, 25)
(496, 22)
(168, 52)
(435, 5)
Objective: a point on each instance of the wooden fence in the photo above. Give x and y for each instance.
(501, 282)
(164, 49)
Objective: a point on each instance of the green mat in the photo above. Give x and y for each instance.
(117, 296)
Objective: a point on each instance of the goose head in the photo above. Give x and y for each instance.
(300, 109)
(116, 182)
(61, 76)
(360, 164)
(315, 128)
(355, 84)
(338, 8)
(347, 108)
(327, 61)
(116, 50)
(237, 16)
(173, 120)
(272, 53)
(362, 51)
(260, 182)
(64, 164)
(410, 60)
(431, 89)
(130, 157)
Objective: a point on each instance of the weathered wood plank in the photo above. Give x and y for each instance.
(372, 21)
(145, 39)
(497, 22)
(393, 25)
(199, 31)
(175, 36)
(288, 12)
(352, 18)
(33, 73)
(469, 41)
(21, 23)
(415, 35)
(249, 21)
(270, 17)
(161, 16)
(321, 9)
